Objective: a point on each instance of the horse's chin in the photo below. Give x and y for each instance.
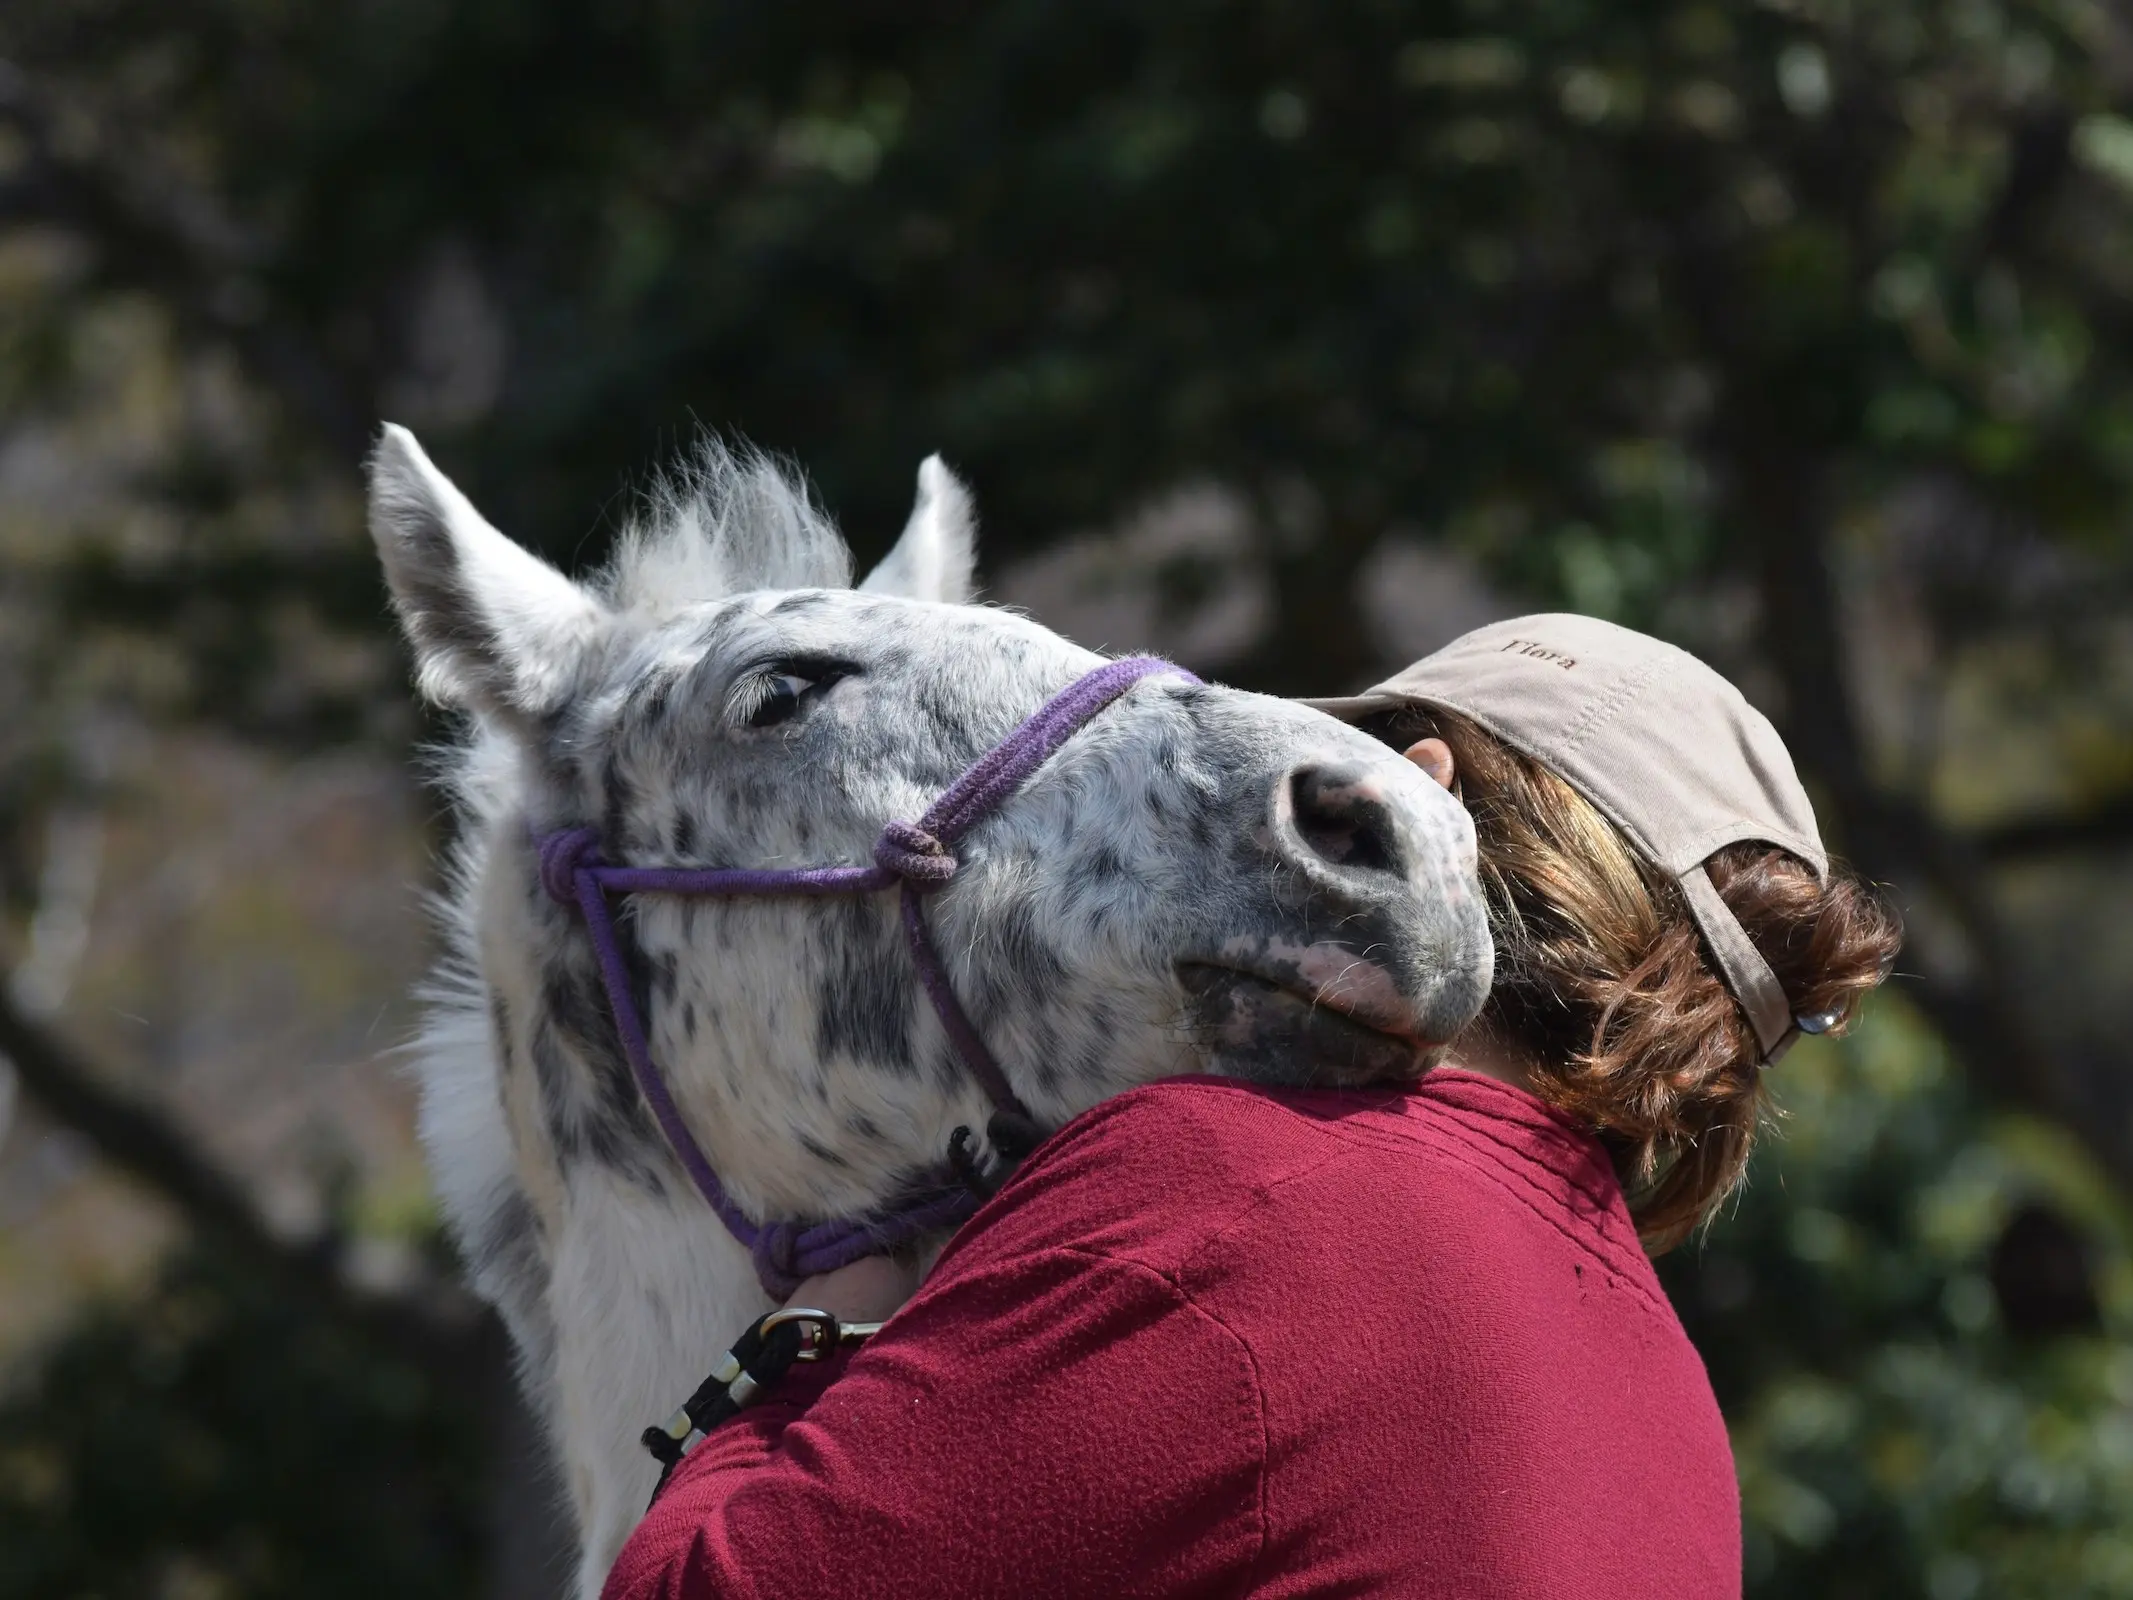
(1268, 1029)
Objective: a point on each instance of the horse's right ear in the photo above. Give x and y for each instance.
(939, 548)
(494, 627)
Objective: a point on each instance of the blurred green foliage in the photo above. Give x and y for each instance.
(207, 1440)
(1801, 330)
(1600, 290)
(1902, 1430)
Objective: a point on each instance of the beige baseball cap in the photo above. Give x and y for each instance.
(1665, 747)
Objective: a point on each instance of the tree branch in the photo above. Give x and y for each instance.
(130, 1135)
(1890, 838)
(2103, 827)
(435, 1324)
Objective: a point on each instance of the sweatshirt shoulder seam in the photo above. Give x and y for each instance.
(1486, 1166)
(1191, 1302)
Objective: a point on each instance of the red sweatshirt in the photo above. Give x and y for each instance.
(1221, 1340)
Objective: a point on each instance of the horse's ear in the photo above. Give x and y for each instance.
(939, 548)
(494, 627)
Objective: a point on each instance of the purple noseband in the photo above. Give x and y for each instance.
(917, 857)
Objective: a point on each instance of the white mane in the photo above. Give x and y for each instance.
(722, 522)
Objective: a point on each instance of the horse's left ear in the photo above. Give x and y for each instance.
(939, 548)
(494, 627)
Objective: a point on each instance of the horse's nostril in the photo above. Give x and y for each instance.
(1342, 820)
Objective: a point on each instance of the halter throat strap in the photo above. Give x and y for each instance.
(915, 858)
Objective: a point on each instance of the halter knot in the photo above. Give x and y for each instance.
(911, 853)
(562, 854)
(777, 1258)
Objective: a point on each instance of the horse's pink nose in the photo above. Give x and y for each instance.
(1342, 818)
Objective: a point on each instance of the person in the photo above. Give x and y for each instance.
(1215, 1338)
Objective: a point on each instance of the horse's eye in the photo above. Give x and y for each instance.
(776, 696)
(781, 693)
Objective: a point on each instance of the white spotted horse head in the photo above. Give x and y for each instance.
(1193, 879)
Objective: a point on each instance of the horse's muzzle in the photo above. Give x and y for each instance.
(1267, 1022)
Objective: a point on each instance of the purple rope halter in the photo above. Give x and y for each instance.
(914, 856)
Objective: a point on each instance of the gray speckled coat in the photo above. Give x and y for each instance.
(1200, 880)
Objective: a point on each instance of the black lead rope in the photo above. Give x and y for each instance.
(759, 1360)
(1012, 1137)
(777, 1340)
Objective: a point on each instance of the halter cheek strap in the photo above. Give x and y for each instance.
(914, 857)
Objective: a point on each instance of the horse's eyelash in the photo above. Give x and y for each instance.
(746, 696)
(752, 687)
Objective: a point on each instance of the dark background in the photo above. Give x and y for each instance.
(1291, 338)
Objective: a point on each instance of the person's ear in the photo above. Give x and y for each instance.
(1434, 757)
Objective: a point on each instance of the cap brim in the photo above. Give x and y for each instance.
(1355, 707)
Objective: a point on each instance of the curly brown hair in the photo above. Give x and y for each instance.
(1603, 991)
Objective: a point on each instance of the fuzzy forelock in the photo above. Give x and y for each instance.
(724, 521)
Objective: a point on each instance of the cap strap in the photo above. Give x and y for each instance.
(1746, 973)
